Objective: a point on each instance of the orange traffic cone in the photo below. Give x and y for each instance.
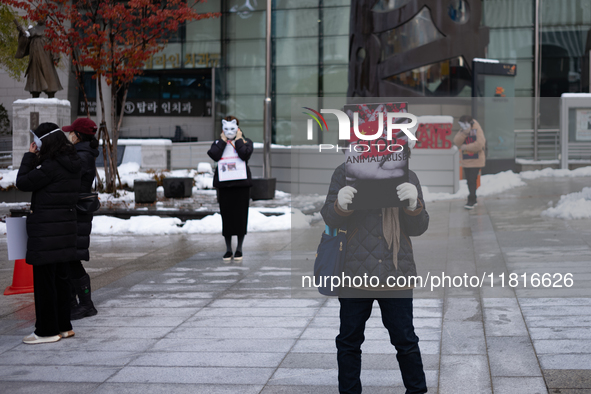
(22, 278)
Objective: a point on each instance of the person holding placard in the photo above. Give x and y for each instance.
(233, 180)
(51, 170)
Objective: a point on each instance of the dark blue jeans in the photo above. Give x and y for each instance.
(397, 318)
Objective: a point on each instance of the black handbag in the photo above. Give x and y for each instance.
(88, 203)
(330, 260)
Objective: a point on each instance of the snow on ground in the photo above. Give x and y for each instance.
(489, 185)
(212, 224)
(571, 206)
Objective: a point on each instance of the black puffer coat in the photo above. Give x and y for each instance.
(88, 156)
(367, 251)
(244, 149)
(51, 225)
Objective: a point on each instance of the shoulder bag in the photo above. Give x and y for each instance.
(330, 259)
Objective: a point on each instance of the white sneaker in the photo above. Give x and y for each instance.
(67, 334)
(34, 339)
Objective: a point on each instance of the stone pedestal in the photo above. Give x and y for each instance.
(30, 113)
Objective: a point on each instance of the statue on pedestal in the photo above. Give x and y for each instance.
(41, 73)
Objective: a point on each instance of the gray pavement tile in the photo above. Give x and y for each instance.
(500, 302)
(521, 385)
(224, 345)
(554, 301)
(462, 309)
(196, 375)
(196, 287)
(564, 321)
(518, 350)
(368, 347)
(256, 311)
(152, 303)
(172, 388)
(369, 361)
(463, 337)
(253, 321)
(209, 359)
(565, 361)
(557, 310)
(332, 389)
(80, 342)
(8, 342)
(119, 321)
(560, 333)
(185, 332)
(464, 374)
(327, 377)
(56, 373)
(504, 321)
(145, 312)
(168, 295)
(254, 303)
(67, 357)
(48, 387)
(561, 346)
(122, 332)
(567, 379)
(272, 294)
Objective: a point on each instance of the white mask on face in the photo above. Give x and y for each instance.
(464, 125)
(230, 129)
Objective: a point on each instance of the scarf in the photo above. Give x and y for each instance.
(391, 230)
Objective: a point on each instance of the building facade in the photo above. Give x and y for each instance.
(216, 67)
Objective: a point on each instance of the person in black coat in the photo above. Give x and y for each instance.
(81, 134)
(51, 170)
(232, 152)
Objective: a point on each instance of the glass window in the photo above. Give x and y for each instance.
(246, 80)
(294, 80)
(282, 4)
(336, 21)
(246, 53)
(511, 43)
(417, 32)
(193, 87)
(508, 13)
(389, 5)
(296, 51)
(243, 7)
(244, 28)
(336, 79)
(144, 87)
(296, 23)
(445, 78)
(249, 107)
(204, 29)
(336, 50)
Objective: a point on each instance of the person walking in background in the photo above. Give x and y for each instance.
(51, 170)
(471, 142)
(81, 134)
(378, 244)
(233, 180)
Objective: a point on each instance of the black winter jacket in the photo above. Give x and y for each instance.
(367, 251)
(88, 156)
(244, 150)
(51, 225)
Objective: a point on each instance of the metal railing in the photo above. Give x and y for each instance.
(548, 144)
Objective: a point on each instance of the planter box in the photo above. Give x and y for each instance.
(177, 187)
(145, 191)
(15, 195)
(263, 189)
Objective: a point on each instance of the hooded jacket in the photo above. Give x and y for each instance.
(88, 157)
(51, 224)
(244, 148)
(367, 250)
(471, 143)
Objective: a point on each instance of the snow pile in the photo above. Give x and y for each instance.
(572, 206)
(2, 228)
(8, 179)
(556, 173)
(489, 185)
(212, 224)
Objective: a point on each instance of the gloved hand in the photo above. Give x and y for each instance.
(345, 197)
(408, 191)
(224, 138)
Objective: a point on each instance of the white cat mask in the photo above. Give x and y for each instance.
(230, 129)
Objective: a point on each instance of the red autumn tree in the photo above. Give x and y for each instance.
(114, 39)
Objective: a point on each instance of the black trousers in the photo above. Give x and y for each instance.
(397, 318)
(471, 175)
(52, 299)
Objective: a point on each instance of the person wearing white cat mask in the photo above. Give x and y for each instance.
(232, 152)
(471, 142)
